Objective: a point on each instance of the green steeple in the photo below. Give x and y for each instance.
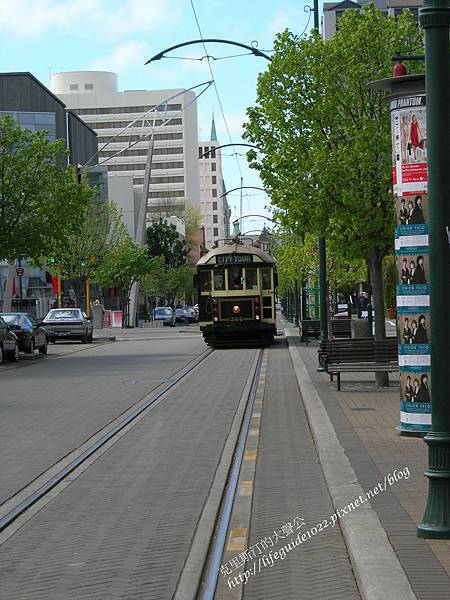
(213, 137)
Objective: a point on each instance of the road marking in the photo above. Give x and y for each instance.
(246, 488)
(250, 455)
(237, 539)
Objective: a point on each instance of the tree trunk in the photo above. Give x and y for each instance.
(375, 266)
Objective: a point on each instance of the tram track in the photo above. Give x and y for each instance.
(39, 491)
(200, 577)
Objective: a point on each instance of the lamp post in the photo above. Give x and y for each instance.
(435, 19)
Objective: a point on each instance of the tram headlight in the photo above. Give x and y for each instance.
(236, 309)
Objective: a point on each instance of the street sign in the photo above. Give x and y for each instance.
(19, 271)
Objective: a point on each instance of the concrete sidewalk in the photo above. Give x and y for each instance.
(367, 449)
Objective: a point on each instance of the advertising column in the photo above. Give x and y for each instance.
(409, 143)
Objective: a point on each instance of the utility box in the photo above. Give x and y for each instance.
(97, 316)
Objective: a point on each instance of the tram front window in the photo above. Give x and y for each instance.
(235, 278)
(205, 281)
(266, 280)
(219, 280)
(251, 278)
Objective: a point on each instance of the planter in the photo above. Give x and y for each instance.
(391, 313)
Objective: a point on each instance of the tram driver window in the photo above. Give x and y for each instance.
(251, 278)
(235, 278)
(205, 281)
(266, 279)
(219, 280)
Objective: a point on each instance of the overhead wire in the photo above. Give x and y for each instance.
(215, 84)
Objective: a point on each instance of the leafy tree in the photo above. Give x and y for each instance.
(41, 200)
(127, 264)
(168, 283)
(163, 240)
(324, 136)
(83, 253)
(192, 218)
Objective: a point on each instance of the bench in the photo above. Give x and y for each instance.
(358, 355)
(311, 328)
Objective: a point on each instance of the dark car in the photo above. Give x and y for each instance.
(68, 323)
(30, 335)
(165, 314)
(8, 343)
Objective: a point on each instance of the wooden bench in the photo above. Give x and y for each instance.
(311, 328)
(359, 355)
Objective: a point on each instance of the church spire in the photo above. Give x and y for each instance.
(213, 137)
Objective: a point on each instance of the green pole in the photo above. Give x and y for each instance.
(296, 323)
(322, 242)
(369, 304)
(323, 289)
(435, 19)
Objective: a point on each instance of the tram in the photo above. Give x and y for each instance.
(236, 286)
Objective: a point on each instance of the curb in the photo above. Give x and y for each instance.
(377, 570)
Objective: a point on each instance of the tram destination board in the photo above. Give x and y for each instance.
(234, 259)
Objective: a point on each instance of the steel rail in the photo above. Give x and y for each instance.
(26, 504)
(211, 573)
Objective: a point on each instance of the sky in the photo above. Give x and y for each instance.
(48, 36)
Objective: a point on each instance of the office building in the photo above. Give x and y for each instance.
(213, 201)
(34, 107)
(125, 124)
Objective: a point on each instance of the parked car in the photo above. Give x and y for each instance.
(30, 335)
(165, 314)
(184, 315)
(9, 347)
(194, 311)
(68, 323)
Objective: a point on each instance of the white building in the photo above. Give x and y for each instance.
(213, 202)
(174, 180)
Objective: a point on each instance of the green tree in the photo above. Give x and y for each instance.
(83, 253)
(127, 264)
(168, 283)
(41, 201)
(324, 136)
(192, 218)
(163, 240)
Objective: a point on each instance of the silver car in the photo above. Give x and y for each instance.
(68, 323)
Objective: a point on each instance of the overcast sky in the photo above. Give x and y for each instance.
(47, 36)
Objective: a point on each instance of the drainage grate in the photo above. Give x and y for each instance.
(362, 408)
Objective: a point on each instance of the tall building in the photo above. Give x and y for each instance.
(174, 178)
(213, 201)
(34, 107)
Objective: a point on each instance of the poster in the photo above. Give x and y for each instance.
(410, 177)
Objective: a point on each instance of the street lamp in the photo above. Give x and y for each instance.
(435, 19)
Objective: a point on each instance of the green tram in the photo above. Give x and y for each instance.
(236, 290)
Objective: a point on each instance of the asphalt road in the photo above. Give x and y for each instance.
(50, 405)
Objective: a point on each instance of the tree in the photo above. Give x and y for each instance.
(192, 218)
(41, 200)
(168, 283)
(127, 264)
(324, 136)
(82, 254)
(163, 240)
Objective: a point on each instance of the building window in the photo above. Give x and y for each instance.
(213, 166)
(73, 86)
(215, 219)
(206, 150)
(200, 151)
(214, 193)
(214, 180)
(215, 231)
(125, 136)
(88, 86)
(213, 153)
(214, 205)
